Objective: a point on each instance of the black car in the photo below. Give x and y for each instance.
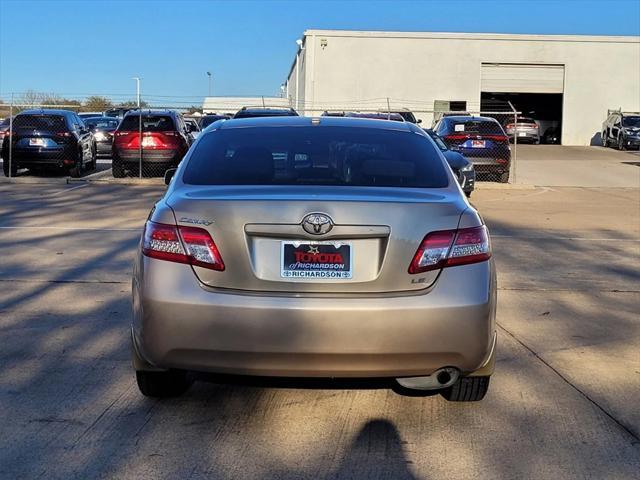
(551, 136)
(253, 112)
(165, 140)
(49, 138)
(207, 120)
(462, 168)
(481, 140)
(621, 130)
(102, 128)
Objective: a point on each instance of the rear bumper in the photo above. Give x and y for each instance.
(148, 156)
(103, 148)
(43, 157)
(179, 324)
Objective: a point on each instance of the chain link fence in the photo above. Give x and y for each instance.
(64, 137)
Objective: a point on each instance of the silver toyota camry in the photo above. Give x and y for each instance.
(315, 247)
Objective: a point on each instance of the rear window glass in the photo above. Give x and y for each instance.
(101, 123)
(206, 121)
(150, 123)
(525, 120)
(40, 122)
(315, 156)
(476, 126)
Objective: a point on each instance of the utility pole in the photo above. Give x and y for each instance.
(209, 75)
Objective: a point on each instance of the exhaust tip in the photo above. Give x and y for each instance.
(443, 377)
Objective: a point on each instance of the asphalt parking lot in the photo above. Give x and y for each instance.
(562, 404)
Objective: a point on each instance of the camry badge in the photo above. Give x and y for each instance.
(317, 223)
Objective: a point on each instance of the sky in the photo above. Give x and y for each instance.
(77, 48)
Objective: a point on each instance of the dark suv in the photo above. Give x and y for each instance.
(621, 130)
(165, 140)
(481, 140)
(49, 138)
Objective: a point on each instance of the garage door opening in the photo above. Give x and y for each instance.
(544, 108)
(534, 89)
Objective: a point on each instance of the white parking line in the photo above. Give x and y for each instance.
(68, 189)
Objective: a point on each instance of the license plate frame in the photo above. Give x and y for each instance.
(37, 142)
(522, 134)
(336, 253)
(478, 144)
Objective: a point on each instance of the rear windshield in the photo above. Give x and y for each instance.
(631, 121)
(481, 127)
(315, 156)
(525, 120)
(106, 123)
(150, 123)
(40, 122)
(206, 121)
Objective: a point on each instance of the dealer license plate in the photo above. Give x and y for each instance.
(36, 142)
(477, 143)
(316, 260)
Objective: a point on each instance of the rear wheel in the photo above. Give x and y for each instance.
(7, 172)
(504, 177)
(94, 159)
(467, 389)
(171, 383)
(76, 171)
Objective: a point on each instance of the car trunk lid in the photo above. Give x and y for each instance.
(259, 233)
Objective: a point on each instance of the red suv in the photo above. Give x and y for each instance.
(165, 140)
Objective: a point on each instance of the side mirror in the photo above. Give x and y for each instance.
(419, 120)
(168, 175)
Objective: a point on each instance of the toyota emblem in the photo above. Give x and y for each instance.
(317, 223)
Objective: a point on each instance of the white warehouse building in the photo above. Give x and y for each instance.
(565, 81)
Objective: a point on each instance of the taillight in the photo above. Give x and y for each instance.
(496, 138)
(451, 247)
(190, 245)
(63, 134)
(509, 125)
(456, 136)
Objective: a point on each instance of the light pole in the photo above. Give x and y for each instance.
(300, 49)
(137, 79)
(209, 75)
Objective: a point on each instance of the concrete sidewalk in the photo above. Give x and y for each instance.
(560, 166)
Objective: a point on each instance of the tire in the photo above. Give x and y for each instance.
(76, 171)
(5, 167)
(467, 389)
(468, 194)
(117, 169)
(621, 145)
(504, 177)
(93, 164)
(171, 383)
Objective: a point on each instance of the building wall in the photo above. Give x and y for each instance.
(349, 69)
